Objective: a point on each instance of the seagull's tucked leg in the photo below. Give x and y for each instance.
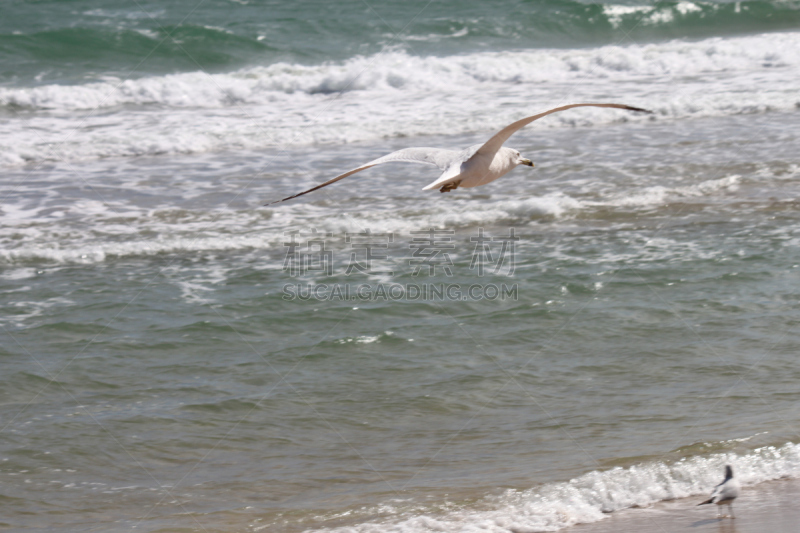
(450, 187)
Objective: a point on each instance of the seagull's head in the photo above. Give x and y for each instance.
(523, 160)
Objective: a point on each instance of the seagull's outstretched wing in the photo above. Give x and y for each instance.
(429, 156)
(491, 146)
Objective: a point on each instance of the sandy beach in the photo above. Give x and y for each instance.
(769, 507)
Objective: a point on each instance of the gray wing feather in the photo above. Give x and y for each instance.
(728, 490)
(491, 146)
(428, 156)
(432, 156)
(467, 153)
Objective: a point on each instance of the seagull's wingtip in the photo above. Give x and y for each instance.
(277, 201)
(640, 110)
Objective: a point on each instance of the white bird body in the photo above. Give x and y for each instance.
(479, 169)
(475, 166)
(725, 492)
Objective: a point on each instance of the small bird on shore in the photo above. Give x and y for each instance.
(471, 167)
(725, 492)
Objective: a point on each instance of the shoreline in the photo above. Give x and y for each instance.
(768, 506)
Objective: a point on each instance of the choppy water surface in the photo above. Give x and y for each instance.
(168, 364)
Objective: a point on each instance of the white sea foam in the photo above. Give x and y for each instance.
(363, 339)
(395, 94)
(658, 194)
(18, 273)
(591, 496)
(398, 71)
(24, 310)
(40, 233)
(99, 252)
(652, 15)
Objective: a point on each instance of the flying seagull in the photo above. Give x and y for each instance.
(474, 166)
(725, 492)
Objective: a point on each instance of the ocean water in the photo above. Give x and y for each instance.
(604, 331)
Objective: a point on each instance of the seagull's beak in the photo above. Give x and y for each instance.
(527, 162)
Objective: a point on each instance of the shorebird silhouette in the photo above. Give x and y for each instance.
(725, 492)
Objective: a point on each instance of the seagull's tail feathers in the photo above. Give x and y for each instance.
(710, 500)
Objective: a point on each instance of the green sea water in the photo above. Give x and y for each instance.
(66, 42)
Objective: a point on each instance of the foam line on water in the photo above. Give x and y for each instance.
(39, 233)
(590, 497)
(398, 72)
(395, 94)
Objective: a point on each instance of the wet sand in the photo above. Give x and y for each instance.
(769, 507)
